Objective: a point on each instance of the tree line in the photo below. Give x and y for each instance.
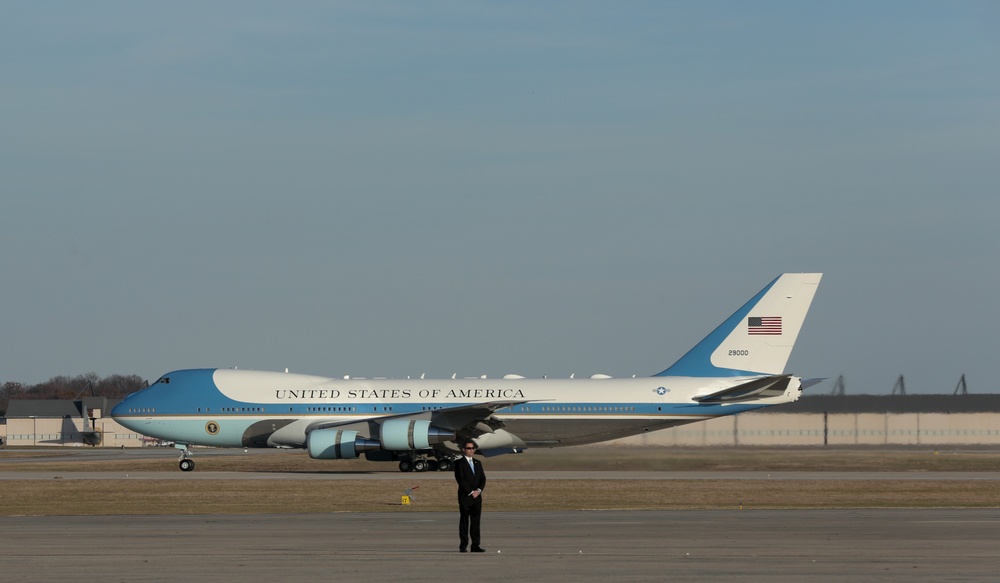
(115, 386)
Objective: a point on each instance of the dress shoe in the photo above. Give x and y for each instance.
(462, 550)
(478, 550)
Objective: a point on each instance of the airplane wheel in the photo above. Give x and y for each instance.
(444, 465)
(420, 466)
(405, 465)
(187, 465)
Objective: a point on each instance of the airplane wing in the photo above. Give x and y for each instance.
(448, 418)
(421, 430)
(458, 418)
(772, 386)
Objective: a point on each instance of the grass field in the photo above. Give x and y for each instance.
(69, 496)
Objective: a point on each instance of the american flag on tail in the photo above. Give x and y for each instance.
(764, 325)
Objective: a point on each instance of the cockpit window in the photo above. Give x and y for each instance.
(164, 380)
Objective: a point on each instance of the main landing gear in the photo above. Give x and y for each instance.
(422, 464)
(186, 463)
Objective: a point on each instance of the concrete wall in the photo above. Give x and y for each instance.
(114, 435)
(801, 429)
(37, 431)
(751, 429)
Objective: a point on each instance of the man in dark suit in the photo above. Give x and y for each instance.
(471, 480)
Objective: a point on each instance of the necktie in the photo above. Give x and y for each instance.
(473, 466)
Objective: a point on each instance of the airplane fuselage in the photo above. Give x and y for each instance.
(240, 408)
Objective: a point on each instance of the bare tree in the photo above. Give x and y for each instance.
(119, 386)
(9, 390)
(91, 384)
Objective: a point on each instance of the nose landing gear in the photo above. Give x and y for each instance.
(186, 464)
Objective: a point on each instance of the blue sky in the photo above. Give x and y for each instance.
(392, 188)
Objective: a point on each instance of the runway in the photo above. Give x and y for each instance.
(388, 472)
(758, 545)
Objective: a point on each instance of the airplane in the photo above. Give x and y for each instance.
(89, 434)
(421, 423)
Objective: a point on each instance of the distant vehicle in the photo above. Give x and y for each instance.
(420, 423)
(154, 442)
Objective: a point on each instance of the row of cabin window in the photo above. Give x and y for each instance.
(592, 409)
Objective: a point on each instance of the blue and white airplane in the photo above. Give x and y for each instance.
(420, 423)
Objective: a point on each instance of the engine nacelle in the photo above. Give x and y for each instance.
(337, 444)
(500, 439)
(411, 434)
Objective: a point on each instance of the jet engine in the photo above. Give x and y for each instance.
(412, 434)
(336, 444)
(499, 441)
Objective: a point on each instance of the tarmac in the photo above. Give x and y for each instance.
(864, 545)
(749, 545)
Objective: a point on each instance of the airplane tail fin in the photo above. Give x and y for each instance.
(89, 434)
(758, 338)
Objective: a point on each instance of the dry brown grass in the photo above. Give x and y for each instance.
(69, 496)
(98, 497)
(756, 459)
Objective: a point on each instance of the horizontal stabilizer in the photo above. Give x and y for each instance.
(761, 388)
(806, 383)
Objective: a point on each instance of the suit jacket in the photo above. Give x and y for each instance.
(468, 481)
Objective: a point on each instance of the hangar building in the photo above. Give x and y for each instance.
(932, 420)
(61, 422)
